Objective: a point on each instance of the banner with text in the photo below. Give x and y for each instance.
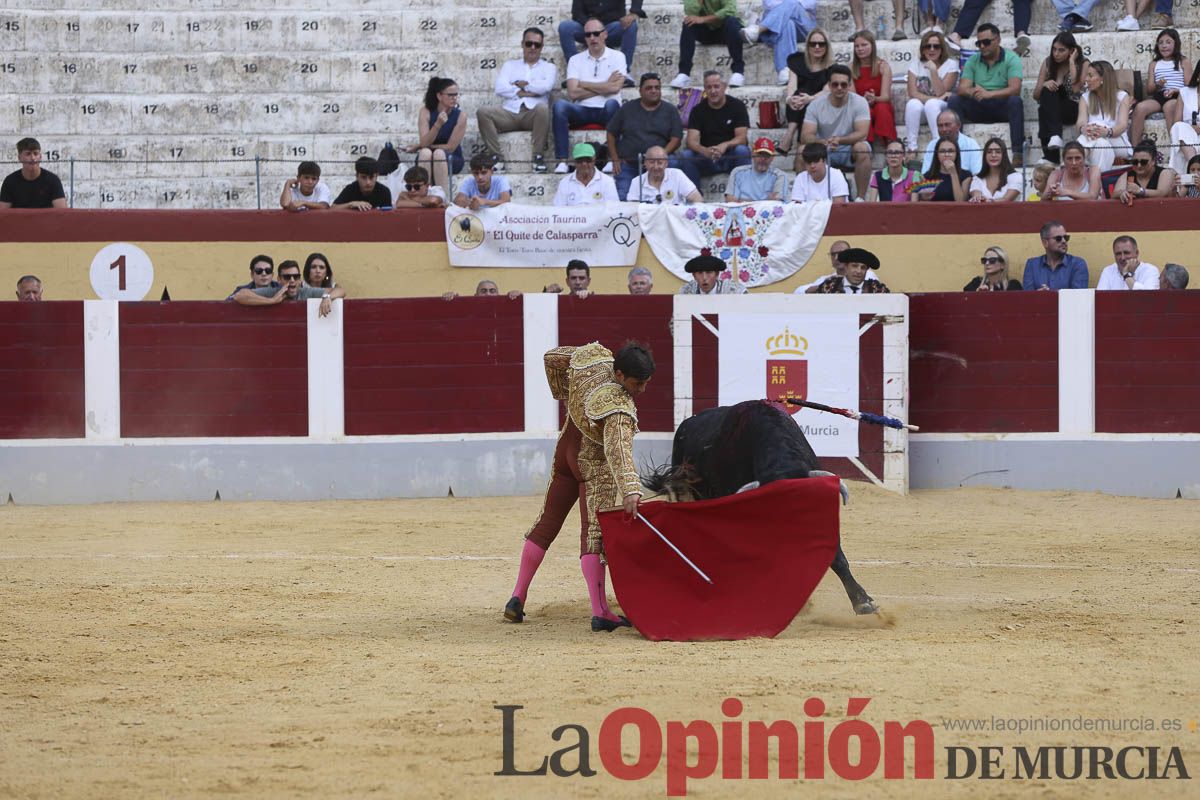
(806, 356)
(516, 235)
(761, 243)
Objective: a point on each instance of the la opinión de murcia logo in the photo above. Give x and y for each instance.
(741, 749)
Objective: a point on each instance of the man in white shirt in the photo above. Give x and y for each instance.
(586, 185)
(818, 181)
(524, 84)
(1128, 270)
(970, 153)
(595, 78)
(662, 184)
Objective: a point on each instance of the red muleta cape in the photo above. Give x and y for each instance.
(765, 551)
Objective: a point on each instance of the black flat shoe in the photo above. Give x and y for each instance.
(609, 625)
(514, 611)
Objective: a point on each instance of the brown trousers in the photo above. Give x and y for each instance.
(494, 120)
(566, 487)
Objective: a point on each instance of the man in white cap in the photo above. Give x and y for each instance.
(758, 180)
(586, 185)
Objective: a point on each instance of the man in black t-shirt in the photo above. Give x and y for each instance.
(366, 192)
(716, 132)
(31, 186)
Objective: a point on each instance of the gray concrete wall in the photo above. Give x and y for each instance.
(87, 473)
(1128, 467)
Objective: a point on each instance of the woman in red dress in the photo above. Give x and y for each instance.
(873, 81)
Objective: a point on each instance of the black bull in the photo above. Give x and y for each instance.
(721, 450)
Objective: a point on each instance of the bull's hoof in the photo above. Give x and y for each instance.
(866, 606)
(514, 611)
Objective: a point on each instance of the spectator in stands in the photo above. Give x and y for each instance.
(873, 82)
(318, 272)
(758, 180)
(1103, 116)
(594, 81)
(782, 24)
(999, 181)
(970, 153)
(990, 88)
(485, 288)
(31, 186)
(856, 262)
(1185, 134)
(1057, 269)
(1075, 179)
(306, 191)
(620, 29)
(971, 11)
(931, 80)
(579, 280)
(1041, 177)
(839, 269)
(953, 182)
(1074, 15)
(29, 289)
(995, 274)
(818, 181)
(892, 183)
(662, 184)
(524, 84)
(1174, 277)
(262, 267)
(1127, 271)
(706, 272)
(1164, 81)
(585, 185)
(641, 281)
(289, 274)
(1059, 84)
(710, 22)
(483, 189)
(716, 132)
(1138, 8)
(840, 120)
(808, 75)
(441, 125)
(1146, 179)
(366, 192)
(639, 125)
(418, 193)
(1189, 186)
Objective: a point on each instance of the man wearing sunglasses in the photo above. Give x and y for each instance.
(990, 89)
(416, 192)
(840, 120)
(262, 268)
(524, 85)
(291, 290)
(594, 81)
(620, 29)
(1057, 269)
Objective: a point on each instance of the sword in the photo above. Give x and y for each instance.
(678, 552)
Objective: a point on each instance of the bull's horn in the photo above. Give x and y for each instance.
(748, 487)
(820, 473)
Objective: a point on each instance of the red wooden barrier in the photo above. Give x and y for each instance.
(611, 320)
(431, 366)
(1148, 362)
(983, 362)
(41, 370)
(213, 369)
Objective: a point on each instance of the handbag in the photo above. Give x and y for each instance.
(768, 114)
(688, 99)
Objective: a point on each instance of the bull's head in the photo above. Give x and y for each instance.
(678, 483)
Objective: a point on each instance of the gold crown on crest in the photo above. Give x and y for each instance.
(786, 344)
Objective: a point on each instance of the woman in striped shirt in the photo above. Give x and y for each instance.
(1164, 79)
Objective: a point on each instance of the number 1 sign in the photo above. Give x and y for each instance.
(121, 271)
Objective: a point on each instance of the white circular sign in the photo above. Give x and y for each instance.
(122, 271)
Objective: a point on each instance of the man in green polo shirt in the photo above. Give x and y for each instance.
(990, 88)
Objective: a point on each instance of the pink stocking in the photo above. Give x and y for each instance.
(594, 574)
(531, 559)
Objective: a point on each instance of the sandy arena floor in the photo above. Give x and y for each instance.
(345, 649)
